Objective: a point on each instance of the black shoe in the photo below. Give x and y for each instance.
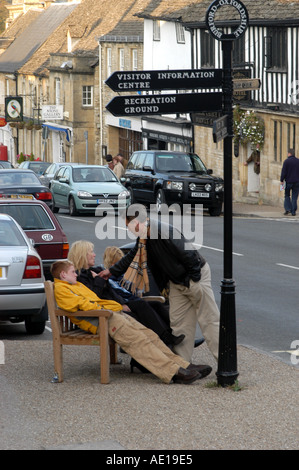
(201, 368)
(286, 212)
(177, 339)
(198, 342)
(294, 213)
(138, 366)
(185, 376)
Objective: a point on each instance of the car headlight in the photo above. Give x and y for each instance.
(192, 186)
(177, 185)
(208, 187)
(124, 194)
(84, 194)
(219, 187)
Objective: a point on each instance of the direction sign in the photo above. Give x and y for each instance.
(165, 80)
(246, 84)
(133, 105)
(220, 128)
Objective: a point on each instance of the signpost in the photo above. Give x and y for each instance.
(164, 104)
(220, 129)
(227, 360)
(165, 80)
(246, 84)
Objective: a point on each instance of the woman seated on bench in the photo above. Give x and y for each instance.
(153, 315)
(137, 340)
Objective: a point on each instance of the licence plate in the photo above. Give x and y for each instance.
(107, 201)
(200, 194)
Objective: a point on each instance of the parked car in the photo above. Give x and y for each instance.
(37, 167)
(83, 188)
(5, 164)
(40, 224)
(18, 181)
(21, 278)
(50, 172)
(154, 176)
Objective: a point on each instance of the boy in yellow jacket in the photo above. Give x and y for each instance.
(138, 341)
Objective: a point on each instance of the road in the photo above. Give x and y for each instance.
(265, 269)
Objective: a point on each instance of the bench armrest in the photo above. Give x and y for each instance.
(154, 298)
(84, 313)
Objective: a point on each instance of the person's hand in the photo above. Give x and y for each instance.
(126, 308)
(93, 274)
(105, 274)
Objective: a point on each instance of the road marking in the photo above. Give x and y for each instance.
(76, 219)
(295, 352)
(287, 266)
(216, 249)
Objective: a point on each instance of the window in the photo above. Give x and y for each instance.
(238, 55)
(277, 141)
(121, 59)
(291, 135)
(207, 47)
(57, 91)
(87, 95)
(156, 30)
(275, 46)
(109, 62)
(180, 33)
(134, 59)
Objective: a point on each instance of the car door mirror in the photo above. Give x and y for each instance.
(210, 172)
(147, 168)
(64, 180)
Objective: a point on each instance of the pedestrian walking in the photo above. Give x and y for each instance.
(290, 175)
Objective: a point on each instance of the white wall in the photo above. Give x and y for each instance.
(166, 53)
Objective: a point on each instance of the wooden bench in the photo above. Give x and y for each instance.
(64, 332)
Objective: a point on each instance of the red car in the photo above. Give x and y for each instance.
(40, 224)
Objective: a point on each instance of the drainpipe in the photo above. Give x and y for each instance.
(100, 101)
(191, 31)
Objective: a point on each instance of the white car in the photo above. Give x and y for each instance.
(22, 295)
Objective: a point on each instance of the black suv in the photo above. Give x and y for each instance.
(154, 176)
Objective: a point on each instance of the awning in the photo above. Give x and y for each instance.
(58, 128)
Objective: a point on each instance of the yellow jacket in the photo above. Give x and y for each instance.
(73, 297)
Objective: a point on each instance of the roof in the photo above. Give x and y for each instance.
(33, 36)
(193, 13)
(97, 20)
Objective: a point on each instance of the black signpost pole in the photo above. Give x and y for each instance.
(227, 359)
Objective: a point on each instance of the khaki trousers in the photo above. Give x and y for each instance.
(144, 346)
(194, 304)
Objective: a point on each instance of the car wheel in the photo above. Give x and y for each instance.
(54, 208)
(72, 207)
(215, 211)
(160, 199)
(34, 328)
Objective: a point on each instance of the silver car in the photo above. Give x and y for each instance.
(21, 278)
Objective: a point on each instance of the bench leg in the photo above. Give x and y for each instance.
(58, 361)
(104, 351)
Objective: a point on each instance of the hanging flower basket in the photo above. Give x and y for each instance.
(21, 125)
(248, 128)
(37, 126)
(13, 124)
(29, 125)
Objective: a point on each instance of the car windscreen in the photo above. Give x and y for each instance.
(28, 216)
(10, 235)
(18, 178)
(38, 167)
(180, 162)
(93, 175)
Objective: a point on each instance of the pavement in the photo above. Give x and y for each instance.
(136, 412)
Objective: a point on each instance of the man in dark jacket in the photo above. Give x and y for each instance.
(191, 298)
(290, 174)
